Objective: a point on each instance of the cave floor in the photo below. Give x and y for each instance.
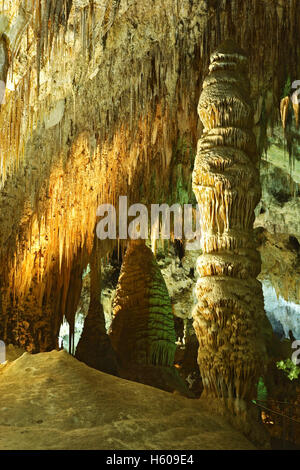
(52, 401)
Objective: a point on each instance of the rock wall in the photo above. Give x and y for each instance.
(102, 92)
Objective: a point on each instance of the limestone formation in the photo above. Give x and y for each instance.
(142, 330)
(229, 318)
(100, 94)
(94, 346)
(101, 102)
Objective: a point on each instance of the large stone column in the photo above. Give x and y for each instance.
(142, 331)
(229, 318)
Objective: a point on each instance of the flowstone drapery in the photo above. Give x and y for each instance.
(229, 318)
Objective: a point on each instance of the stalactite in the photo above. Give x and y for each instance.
(92, 20)
(284, 107)
(45, 23)
(229, 318)
(38, 21)
(83, 32)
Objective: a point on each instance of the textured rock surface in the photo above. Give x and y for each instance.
(52, 401)
(280, 263)
(179, 276)
(129, 75)
(142, 330)
(229, 318)
(94, 347)
(284, 316)
(279, 210)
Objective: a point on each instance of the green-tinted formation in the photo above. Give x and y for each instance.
(142, 330)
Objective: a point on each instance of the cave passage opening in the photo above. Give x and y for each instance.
(65, 339)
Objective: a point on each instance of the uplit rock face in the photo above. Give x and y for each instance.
(278, 213)
(229, 318)
(142, 329)
(179, 276)
(99, 94)
(279, 209)
(284, 316)
(280, 254)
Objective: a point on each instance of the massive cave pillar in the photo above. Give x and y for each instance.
(143, 331)
(94, 347)
(229, 318)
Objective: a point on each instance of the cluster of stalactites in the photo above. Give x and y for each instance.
(37, 38)
(230, 311)
(48, 22)
(56, 230)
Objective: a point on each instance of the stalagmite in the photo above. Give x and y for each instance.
(94, 346)
(142, 331)
(229, 318)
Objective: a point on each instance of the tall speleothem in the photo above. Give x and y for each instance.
(142, 331)
(94, 347)
(229, 318)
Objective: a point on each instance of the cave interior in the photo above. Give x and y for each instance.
(149, 224)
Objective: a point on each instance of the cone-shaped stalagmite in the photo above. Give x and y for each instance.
(94, 346)
(229, 317)
(142, 331)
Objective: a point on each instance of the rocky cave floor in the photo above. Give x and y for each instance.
(52, 401)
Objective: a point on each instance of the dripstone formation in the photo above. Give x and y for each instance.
(94, 346)
(142, 330)
(229, 318)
